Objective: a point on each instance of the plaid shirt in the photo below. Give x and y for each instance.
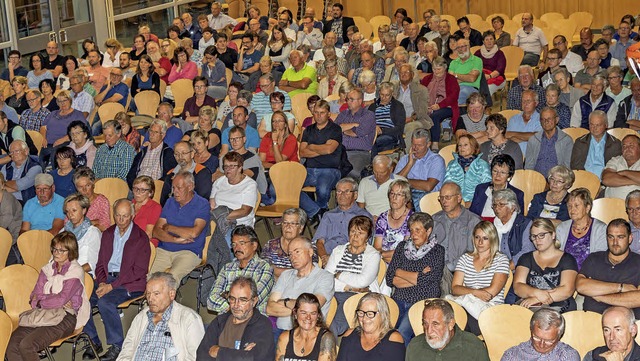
(33, 121)
(257, 268)
(113, 162)
(514, 100)
(156, 339)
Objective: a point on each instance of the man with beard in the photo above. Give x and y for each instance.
(611, 278)
(239, 334)
(442, 338)
(246, 247)
(467, 69)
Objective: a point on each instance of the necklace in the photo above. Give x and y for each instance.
(394, 218)
(580, 230)
(556, 199)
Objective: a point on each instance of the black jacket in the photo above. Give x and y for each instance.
(258, 331)
(167, 162)
(634, 356)
(346, 22)
(202, 177)
(398, 116)
(624, 109)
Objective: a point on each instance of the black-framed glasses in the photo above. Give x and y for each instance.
(369, 314)
(540, 235)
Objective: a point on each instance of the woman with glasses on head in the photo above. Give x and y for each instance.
(355, 268)
(581, 234)
(552, 204)
(147, 211)
(502, 170)
(374, 337)
(480, 276)
(60, 285)
(467, 169)
(309, 339)
(546, 277)
(64, 164)
(392, 226)
(88, 236)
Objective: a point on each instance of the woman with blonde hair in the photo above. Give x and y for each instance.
(546, 276)
(480, 276)
(112, 54)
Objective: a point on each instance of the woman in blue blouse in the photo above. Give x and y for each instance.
(467, 169)
(64, 163)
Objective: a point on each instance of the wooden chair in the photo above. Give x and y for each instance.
(228, 73)
(382, 271)
(620, 133)
(549, 32)
(474, 19)
(349, 308)
(509, 113)
(6, 240)
(6, 327)
(108, 111)
(159, 183)
(482, 26)
(35, 248)
(365, 27)
(37, 138)
(299, 106)
(518, 17)
(499, 338)
(566, 27)
(415, 315)
(575, 324)
(608, 209)
(447, 153)
(139, 301)
(163, 88)
(203, 266)
(429, 203)
(575, 133)
(530, 182)
(287, 178)
(583, 19)
(113, 189)
(377, 21)
(586, 179)
(513, 55)
(331, 314)
(16, 283)
(182, 89)
(549, 18)
(503, 15)
(79, 334)
(293, 6)
(147, 102)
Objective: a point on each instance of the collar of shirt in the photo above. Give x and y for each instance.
(166, 315)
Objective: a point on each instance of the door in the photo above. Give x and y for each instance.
(67, 22)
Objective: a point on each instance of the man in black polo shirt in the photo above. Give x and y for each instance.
(53, 61)
(322, 147)
(611, 278)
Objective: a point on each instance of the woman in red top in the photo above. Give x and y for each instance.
(147, 211)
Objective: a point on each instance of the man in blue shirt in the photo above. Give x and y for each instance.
(591, 152)
(45, 211)
(523, 126)
(248, 59)
(14, 68)
(240, 117)
(8, 111)
(114, 92)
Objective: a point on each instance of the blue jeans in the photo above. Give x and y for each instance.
(416, 196)
(438, 117)
(383, 142)
(530, 59)
(269, 197)
(108, 307)
(324, 179)
(466, 91)
(404, 326)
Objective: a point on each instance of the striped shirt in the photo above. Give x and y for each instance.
(383, 116)
(261, 104)
(350, 262)
(477, 280)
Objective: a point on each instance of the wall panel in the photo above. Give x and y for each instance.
(372, 8)
(602, 11)
(427, 4)
(564, 7)
(622, 8)
(536, 7)
(456, 8)
(485, 8)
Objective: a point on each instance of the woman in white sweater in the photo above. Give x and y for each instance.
(355, 267)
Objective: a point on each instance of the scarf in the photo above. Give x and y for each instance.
(79, 231)
(506, 227)
(496, 150)
(466, 162)
(488, 54)
(55, 283)
(413, 254)
(437, 86)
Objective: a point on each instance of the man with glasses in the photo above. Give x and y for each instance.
(45, 211)
(547, 328)
(552, 64)
(453, 228)
(526, 82)
(260, 103)
(53, 61)
(173, 133)
(114, 157)
(244, 322)
(248, 59)
(115, 91)
(82, 100)
(121, 274)
(14, 68)
(610, 278)
(569, 59)
(247, 263)
(373, 190)
(309, 34)
(33, 118)
(156, 158)
(240, 116)
(619, 330)
(619, 49)
(467, 69)
(20, 173)
(592, 151)
(261, 35)
(333, 230)
(584, 77)
(183, 153)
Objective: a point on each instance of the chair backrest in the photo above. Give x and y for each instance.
(113, 189)
(549, 18)
(482, 26)
(513, 55)
(299, 106)
(288, 179)
(37, 138)
(504, 16)
(608, 209)
(549, 31)
(586, 179)
(147, 102)
(518, 17)
(35, 248)
(163, 88)
(293, 6)
(6, 240)
(583, 19)
(6, 327)
(530, 182)
(182, 89)
(620, 133)
(575, 133)
(566, 27)
(108, 111)
(228, 73)
(207, 242)
(509, 113)
(575, 324)
(331, 314)
(499, 338)
(159, 183)
(474, 19)
(378, 20)
(382, 271)
(415, 316)
(365, 27)
(429, 203)
(447, 153)
(16, 283)
(349, 308)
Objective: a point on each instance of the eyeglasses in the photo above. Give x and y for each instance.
(290, 224)
(343, 192)
(32, 100)
(184, 154)
(558, 43)
(556, 181)
(499, 172)
(447, 197)
(498, 205)
(240, 300)
(235, 139)
(396, 195)
(544, 342)
(58, 250)
(633, 210)
(541, 235)
(369, 314)
(140, 190)
(230, 166)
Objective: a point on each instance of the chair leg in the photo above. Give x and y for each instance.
(268, 225)
(199, 291)
(49, 355)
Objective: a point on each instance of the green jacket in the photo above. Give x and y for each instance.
(463, 346)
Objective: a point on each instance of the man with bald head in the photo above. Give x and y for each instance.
(330, 39)
(372, 191)
(532, 40)
(53, 61)
(586, 43)
(619, 330)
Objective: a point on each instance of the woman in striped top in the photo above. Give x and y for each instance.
(480, 276)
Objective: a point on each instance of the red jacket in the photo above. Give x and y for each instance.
(135, 260)
(453, 91)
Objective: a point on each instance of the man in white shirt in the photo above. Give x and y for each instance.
(219, 21)
(571, 60)
(621, 175)
(532, 40)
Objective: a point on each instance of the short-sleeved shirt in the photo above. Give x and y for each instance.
(429, 166)
(531, 42)
(235, 196)
(472, 63)
(306, 72)
(185, 216)
(465, 123)
(477, 280)
(365, 132)
(374, 195)
(40, 217)
(313, 135)
(517, 124)
(550, 277)
(120, 88)
(253, 138)
(289, 285)
(249, 60)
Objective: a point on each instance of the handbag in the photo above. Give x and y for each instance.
(39, 317)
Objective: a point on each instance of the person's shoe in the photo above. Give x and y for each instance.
(111, 354)
(89, 355)
(315, 220)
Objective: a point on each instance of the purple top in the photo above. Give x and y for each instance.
(391, 236)
(365, 132)
(579, 247)
(193, 108)
(497, 62)
(57, 124)
(71, 291)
